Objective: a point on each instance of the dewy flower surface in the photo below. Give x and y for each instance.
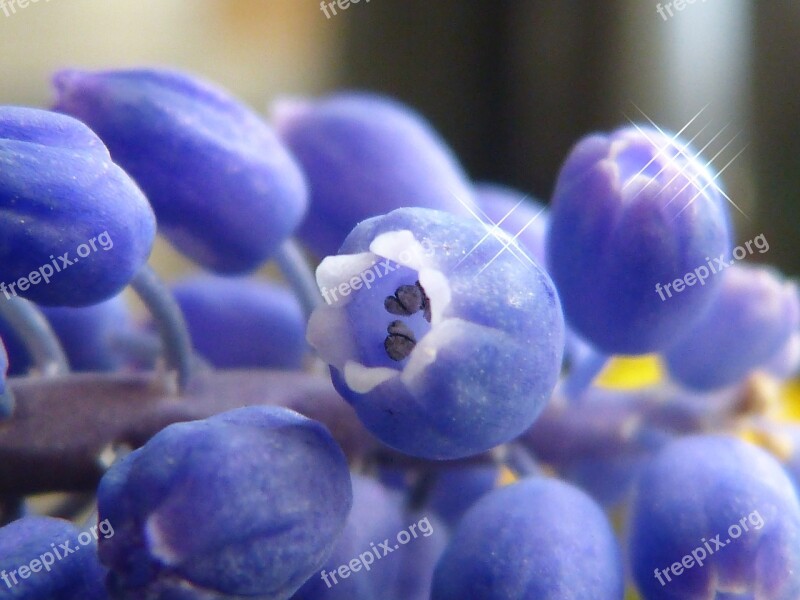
(444, 341)
(630, 210)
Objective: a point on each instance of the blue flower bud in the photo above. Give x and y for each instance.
(42, 557)
(247, 503)
(444, 341)
(366, 155)
(603, 441)
(376, 516)
(241, 323)
(633, 212)
(456, 489)
(538, 538)
(75, 227)
(225, 190)
(750, 322)
(714, 516)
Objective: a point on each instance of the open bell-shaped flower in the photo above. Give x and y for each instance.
(446, 339)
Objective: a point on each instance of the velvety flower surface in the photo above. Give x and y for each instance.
(366, 155)
(74, 227)
(633, 212)
(241, 323)
(751, 321)
(714, 516)
(46, 558)
(538, 538)
(376, 516)
(245, 504)
(446, 343)
(224, 188)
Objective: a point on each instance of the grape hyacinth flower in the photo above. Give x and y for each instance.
(248, 503)
(418, 560)
(43, 557)
(376, 515)
(456, 489)
(75, 227)
(445, 343)
(366, 155)
(714, 516)
(750, 322)
(602, 442)
(631, 212)
(785, 364)
(241, 323)
(538, 538)
(224, 188)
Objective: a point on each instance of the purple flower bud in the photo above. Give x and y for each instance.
(632, 212)
(75, 227)
(225, 190)
(366, 155)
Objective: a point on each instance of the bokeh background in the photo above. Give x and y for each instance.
(511, 84)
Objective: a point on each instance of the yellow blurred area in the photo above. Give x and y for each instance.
(506, 477)
(790, 402)
(632, 594)
(631, 372)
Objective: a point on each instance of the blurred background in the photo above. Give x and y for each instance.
(511, 84)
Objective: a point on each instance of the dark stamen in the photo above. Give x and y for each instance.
(426, 304)
(407, 300)
(400, 341)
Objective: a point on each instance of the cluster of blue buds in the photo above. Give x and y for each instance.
(290, 441)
